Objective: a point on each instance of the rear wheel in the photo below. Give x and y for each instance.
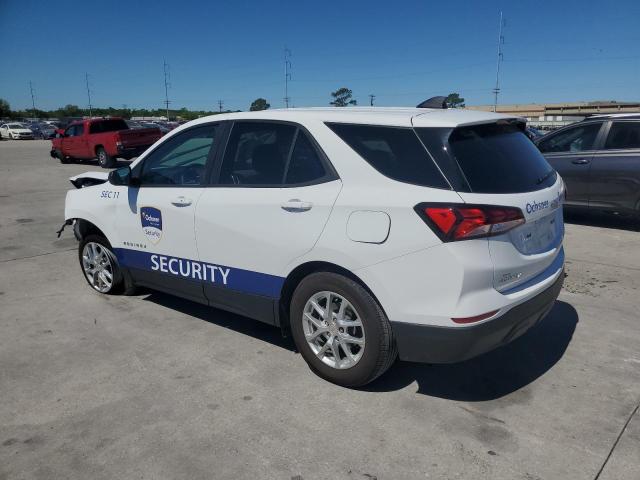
(104, 159)
(340, 330)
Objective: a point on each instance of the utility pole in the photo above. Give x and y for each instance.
(33, 101)
(372, 97)
(496, 90)
(287, 75)
(165, 67)
(86, 79)
(220, 104)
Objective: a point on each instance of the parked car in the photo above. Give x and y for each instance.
(106, 139)
(533, 133)
(43, 130)
(15, 131)
(363, 232)
(134, 124)
(599, 160)
(161, 127)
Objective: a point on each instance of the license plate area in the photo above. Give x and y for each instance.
(540, 235)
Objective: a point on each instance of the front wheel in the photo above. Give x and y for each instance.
(104, 159)
(340, 330)
(99, 264)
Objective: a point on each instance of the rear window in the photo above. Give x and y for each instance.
(490, 158)
(393, 151)
(108, 126)
(623, 135)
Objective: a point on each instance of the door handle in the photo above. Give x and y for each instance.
(580, 161)
(181, 201)
(296, 205)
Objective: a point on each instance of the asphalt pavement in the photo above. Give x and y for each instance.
(155, 387)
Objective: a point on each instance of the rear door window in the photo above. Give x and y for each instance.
(256, 154)
(492, 158)
(395, 152)
(576, 139)
(623, 135)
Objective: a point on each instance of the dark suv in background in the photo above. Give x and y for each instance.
(599, 160)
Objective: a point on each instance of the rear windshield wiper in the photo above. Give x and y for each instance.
(545, 176)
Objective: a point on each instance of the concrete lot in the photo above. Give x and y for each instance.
(151, 386)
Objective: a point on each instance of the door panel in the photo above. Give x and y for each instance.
(156, 220)
(158, 242)
(272, 197)
(570, 151)
(615, 181)
(257, 232)
(575, 170)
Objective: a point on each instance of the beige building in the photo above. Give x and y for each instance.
(554, 115)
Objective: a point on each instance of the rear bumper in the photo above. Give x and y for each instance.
(436, 344)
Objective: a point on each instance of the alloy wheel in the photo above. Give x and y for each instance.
(333, 330)
(97, 264)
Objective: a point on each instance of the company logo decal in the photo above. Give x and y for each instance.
(151, 221)
(190, 269)
(535, 206)
(238, 279)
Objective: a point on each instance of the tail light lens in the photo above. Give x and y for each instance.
(452, 222)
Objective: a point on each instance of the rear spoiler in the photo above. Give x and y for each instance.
(434, 102)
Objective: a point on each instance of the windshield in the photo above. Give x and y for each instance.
(16, 125)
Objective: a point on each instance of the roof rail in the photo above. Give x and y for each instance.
(434, 102)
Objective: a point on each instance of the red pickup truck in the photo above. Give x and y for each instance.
(103, 138)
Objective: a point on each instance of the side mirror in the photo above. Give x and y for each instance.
(120, 176)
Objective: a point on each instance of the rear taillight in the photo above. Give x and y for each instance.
(452, 222)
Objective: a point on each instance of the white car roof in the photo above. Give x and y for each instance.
(392, 116)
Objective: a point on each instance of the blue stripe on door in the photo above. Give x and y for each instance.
(246, 281)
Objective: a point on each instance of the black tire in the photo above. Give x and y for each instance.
(122, 284)
(61, 157)
(380, 349)
(104, 160)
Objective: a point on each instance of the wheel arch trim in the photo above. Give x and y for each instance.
(293, 279)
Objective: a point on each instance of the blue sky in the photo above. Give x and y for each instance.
(403, 52)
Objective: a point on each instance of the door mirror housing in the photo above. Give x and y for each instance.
(120, 176)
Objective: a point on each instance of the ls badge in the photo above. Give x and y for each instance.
(151, 220)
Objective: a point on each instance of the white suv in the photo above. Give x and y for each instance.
(364, 232)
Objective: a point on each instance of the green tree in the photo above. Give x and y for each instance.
(5, 108)
(342, 97)
(70, 111)
(259, 104)
(455, 101)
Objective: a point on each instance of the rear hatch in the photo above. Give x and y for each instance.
(496, 164)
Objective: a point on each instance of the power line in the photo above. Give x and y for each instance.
(496, 90)
(33, 101)
(86, 79)
(165, 67)
(287, 76)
